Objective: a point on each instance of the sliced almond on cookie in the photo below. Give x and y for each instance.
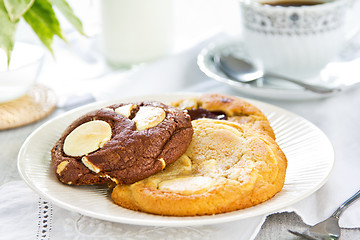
(148, 117)
(87, 138)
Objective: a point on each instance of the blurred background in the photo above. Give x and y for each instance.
(193, 22)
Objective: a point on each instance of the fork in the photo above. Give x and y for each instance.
(328, 229)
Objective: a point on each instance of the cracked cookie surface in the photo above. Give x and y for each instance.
(121, 143)
(228, 166)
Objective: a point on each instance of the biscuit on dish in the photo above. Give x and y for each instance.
(121, 143)
(227, 167)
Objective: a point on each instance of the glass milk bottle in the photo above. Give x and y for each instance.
(136, 31)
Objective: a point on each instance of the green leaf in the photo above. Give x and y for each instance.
(7, 31)
(67, 11)
(42, 19)
(16, 8)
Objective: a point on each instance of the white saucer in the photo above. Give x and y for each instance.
(337, 73)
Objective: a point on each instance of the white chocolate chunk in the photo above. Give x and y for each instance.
(87, 138)
(108, 109)
(187, 185)
(125, 110)
(61, 167)
(112, 179)
(89, 165)
(148, 117)
(162, 162)
(188, 104)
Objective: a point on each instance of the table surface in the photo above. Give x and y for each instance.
(338, 117)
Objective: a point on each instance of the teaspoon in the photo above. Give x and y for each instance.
(243, 71)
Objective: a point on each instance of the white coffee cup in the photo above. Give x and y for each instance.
(294, 41)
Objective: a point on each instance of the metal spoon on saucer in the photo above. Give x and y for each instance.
(245, 72)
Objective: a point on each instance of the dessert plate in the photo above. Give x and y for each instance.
(310, 162)
(339, 73)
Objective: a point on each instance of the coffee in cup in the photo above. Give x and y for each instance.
(294, 3)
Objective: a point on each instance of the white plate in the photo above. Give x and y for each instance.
(338, 73)
(309, 152)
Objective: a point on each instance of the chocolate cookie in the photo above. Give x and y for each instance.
(222, 107)
(122, 143)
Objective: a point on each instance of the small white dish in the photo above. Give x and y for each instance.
(339, 73)
(310, 162)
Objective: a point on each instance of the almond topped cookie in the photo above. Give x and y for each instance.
(122, 143)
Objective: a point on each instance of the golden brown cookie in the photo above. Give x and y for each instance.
(123, 143)
(228, 166)
(224, 107)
